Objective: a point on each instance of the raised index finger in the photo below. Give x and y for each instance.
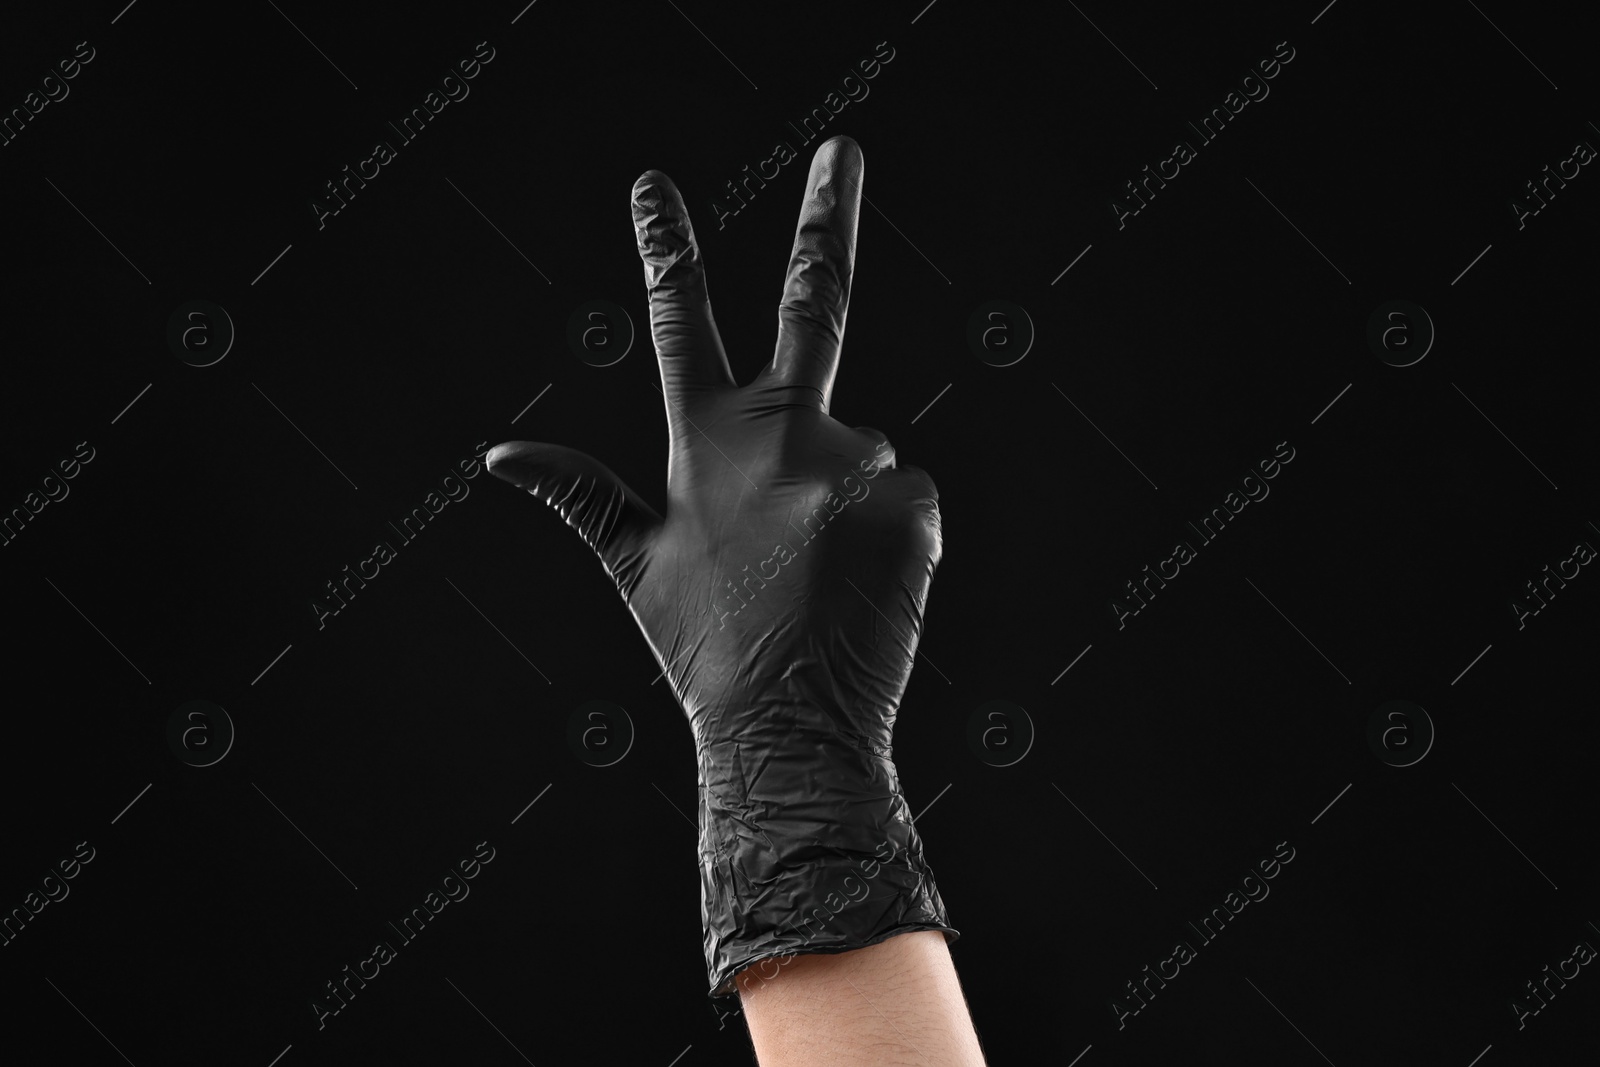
(686, 338)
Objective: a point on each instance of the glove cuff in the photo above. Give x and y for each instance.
(825, 874)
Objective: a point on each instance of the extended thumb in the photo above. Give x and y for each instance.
(611, 518)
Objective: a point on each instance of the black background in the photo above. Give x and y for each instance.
(1213, 726)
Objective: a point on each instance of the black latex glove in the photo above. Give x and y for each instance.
(783, 594)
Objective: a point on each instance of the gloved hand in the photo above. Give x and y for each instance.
(782, 594)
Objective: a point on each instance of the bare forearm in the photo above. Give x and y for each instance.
(893, 1003)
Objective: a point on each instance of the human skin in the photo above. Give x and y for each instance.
(895, 1003)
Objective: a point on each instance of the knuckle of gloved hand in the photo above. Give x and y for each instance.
(924, 528)
(881, 458)
(924, 481)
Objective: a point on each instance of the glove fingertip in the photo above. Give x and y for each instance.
(508, 461)
(651, 177)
